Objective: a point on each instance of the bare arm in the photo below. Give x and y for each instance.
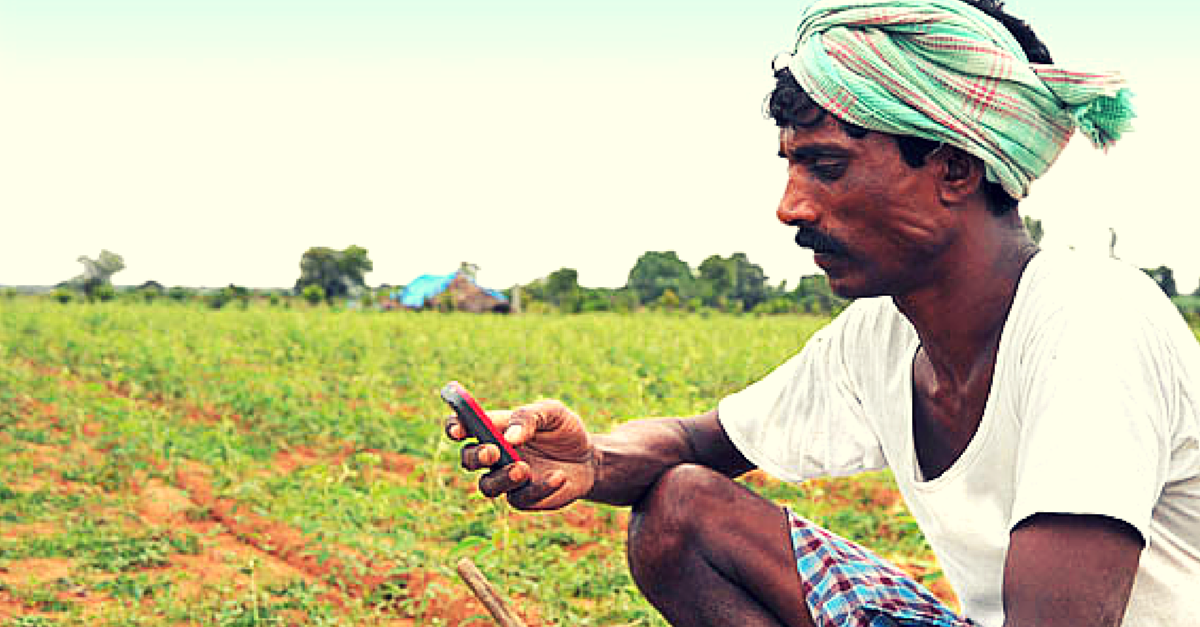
(563, 462)
(632, 457)
(1069, 570)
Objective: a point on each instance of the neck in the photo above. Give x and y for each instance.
(960, 316)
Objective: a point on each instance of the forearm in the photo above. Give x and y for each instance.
(633, 456)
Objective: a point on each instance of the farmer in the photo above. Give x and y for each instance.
(1047, 443)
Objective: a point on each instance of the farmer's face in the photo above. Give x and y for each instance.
(875, 223)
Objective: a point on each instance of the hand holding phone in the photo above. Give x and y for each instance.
(476, 422)
(558, 461)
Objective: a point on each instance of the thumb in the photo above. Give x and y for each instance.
(521, 424)
(525, 422)
(512, 425)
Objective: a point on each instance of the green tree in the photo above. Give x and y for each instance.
(1035, 229)
(238, 293)
(339, 273)
(313, 294)
(815, 296)
(97, 274)
(597, 300)
(777, 305)
(1165, 278)
(669, 300)
(179, 294)
(534, 291)
(229, 294)
(624, 300)
(734, 279)
(562, 289)
(102, 293)
(657, 272)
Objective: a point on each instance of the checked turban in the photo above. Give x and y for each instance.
(945, 71)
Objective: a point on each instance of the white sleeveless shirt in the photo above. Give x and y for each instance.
(1094, 408)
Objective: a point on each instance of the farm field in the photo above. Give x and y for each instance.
(168, 464)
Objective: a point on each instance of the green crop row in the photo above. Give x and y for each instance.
(164, 386)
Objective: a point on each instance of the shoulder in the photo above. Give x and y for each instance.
(1078, 282)
(1097, 333)
(1064, 294)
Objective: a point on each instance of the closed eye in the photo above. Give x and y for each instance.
(827, 169)
(826, 164)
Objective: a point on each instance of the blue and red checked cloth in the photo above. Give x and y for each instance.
(845, 585)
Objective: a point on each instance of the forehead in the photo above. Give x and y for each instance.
(825, 130)
(831, 134)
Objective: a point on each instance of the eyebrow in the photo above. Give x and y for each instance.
(814, 150)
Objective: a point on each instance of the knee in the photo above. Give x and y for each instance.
(667, 523)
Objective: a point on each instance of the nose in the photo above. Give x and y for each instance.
(797, 205)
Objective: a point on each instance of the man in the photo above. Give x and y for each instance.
(1047, 443)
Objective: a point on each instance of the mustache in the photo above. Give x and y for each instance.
(817, 241)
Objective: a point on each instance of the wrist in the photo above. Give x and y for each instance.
(594, 467)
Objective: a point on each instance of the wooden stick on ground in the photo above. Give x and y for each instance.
(487, 594)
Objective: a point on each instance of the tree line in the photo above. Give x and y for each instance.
(657, 280)
(661, 280)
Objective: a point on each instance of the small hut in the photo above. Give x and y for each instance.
(458, 290)
(152, 286)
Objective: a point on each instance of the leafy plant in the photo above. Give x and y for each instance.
(328, 423)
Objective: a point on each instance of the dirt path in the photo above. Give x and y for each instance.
(247, 551)
(234, 535)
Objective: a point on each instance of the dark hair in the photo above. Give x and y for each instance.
(790, 106)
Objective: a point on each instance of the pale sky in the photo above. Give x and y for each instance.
(211, 142)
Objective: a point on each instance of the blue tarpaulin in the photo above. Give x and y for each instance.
(428, 286)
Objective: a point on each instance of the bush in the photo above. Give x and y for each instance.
(314, 294)
(229, 294)
(103, 293)
(669, 300)
(775, 306)
(63, 295)
(595, 303)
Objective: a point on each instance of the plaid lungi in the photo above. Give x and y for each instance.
(845, 585)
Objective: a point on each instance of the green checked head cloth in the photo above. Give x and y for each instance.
(945, 71)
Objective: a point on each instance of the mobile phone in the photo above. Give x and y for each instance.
(477, 423)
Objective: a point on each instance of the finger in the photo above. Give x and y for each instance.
(503, 480)
(526, 421)
(454, 430)
(500, 418)
(544, 494)
(480, 456)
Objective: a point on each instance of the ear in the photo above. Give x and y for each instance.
(963, 175)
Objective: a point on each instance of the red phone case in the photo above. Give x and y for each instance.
(476, 421)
